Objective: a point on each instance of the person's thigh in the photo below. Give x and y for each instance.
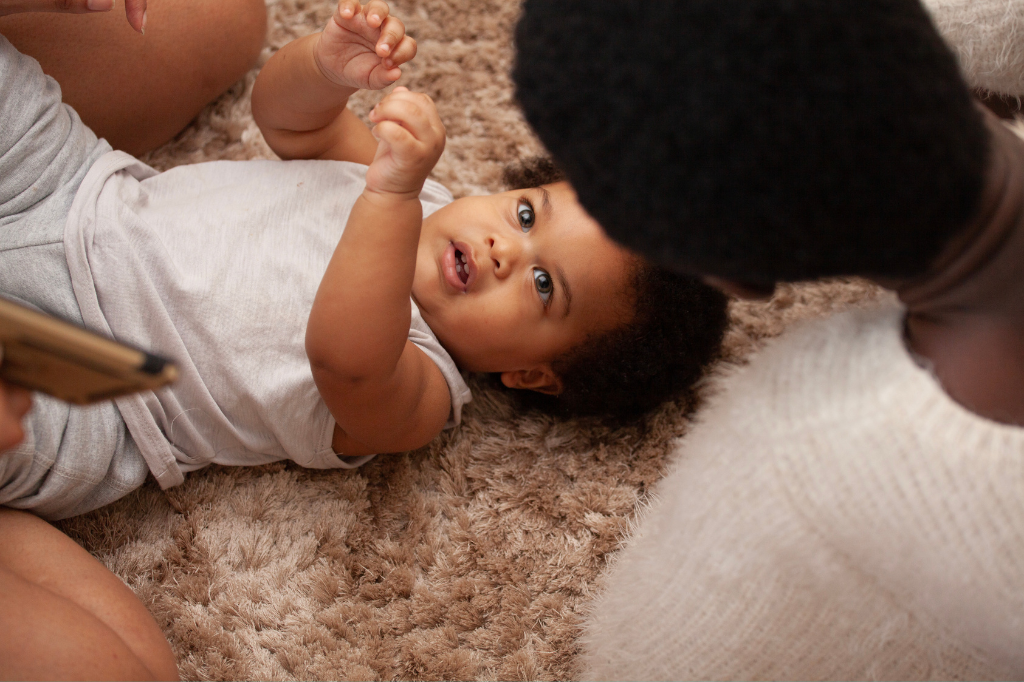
(139, 91)
(65, 616)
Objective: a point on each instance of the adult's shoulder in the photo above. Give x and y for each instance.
(799, 532)
(813, 369)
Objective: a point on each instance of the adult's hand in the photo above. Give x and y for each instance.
(14, 403)
(134, 9)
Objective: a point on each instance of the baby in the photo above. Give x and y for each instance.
(299, 335)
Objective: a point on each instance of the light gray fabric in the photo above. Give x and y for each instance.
(73, 459)
(215, 265)
(45, 152)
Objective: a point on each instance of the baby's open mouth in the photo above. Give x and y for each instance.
(458, 268)
(461, 268)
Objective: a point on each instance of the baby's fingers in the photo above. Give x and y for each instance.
(412, 110)
(393, 133)
(376, 11)
(405, 51)
(348, 8)
(411, 141)
(392, 32)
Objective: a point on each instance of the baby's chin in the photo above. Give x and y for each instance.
(447, 337)
(452, 345)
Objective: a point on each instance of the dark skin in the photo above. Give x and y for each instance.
(138, 91)
(965, 316)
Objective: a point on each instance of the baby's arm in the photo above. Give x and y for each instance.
(300, 95)
(383, 391)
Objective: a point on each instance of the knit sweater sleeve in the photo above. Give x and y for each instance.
(988, 39)
(802, 534)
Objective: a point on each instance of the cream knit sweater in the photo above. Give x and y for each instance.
(834, 515)
(988, 38)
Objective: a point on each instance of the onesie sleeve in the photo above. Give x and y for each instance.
(421, 335)
(44, 145)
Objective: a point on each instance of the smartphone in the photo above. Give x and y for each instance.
(44, 353)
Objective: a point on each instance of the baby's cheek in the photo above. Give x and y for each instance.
(472, 338)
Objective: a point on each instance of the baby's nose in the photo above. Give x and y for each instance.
(504, 253)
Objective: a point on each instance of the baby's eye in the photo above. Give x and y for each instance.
(525, 213)
(545, 287)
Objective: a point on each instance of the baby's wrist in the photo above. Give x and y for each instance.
(389, 199)
(327, 76)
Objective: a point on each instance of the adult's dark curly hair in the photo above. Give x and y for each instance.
(675, 333)
(757, 140)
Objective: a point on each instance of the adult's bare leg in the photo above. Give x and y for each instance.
(65, 616)
(140, 91)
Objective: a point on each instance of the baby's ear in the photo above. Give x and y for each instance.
(540, 378)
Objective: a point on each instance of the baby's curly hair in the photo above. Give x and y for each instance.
(675, 333)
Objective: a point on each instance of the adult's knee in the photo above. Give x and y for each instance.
(240, 28)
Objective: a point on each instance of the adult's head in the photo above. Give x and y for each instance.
(757, 140)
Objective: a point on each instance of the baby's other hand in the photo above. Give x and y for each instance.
(363, 46)
(410, 138)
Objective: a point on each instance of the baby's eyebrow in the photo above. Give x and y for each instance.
(566, 291)
(563, 281)
(545, 198)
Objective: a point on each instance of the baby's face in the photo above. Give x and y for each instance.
(513, 280)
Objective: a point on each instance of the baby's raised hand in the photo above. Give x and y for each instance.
(363, 46)
(410, 141)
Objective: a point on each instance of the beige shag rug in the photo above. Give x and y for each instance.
(473, 558)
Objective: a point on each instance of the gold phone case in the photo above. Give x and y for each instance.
(43, 353)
